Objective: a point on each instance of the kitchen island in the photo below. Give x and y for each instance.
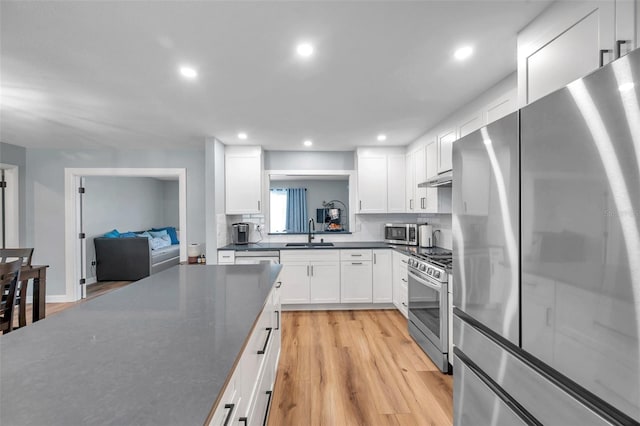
(158, 351)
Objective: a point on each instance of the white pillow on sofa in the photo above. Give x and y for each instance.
(160, 242)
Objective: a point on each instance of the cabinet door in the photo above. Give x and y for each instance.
(565, 43)
(432, 170)
(410, 185)
(243, 182)
(396, 181)
(501, 107)
(356, 282)
(295, 283)
(445, 144)
(372, 184)
(626, 22)
(420, 170)
(325, 282)
(395, 256)
(382, 277)
(470, 124)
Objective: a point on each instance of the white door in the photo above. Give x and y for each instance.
(295, 283)
(82, 240)
(382, 276)
(325, 282)
(356, 282)
(372, 184)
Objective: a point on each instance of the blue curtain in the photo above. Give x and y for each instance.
(297, 210)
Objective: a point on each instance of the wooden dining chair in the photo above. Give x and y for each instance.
(24, 255)
(9, 276)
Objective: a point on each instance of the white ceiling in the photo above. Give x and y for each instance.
(104, 74)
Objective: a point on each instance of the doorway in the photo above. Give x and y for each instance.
(75, 241)
(9, 206)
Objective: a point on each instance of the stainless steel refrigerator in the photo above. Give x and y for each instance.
(546, 225)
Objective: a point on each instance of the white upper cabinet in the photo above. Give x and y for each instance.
(243, 179)
(501, 107)
(396, 183)
(445, 146)
(410, 183)
(571, 39)
(381, 180)
(470, 124)
(420, 170)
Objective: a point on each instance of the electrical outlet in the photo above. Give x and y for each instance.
(258, 227)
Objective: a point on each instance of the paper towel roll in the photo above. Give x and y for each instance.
(194, 250)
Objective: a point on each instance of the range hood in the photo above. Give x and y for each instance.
(441, 179)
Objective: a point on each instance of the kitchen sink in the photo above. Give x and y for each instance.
(309, 245)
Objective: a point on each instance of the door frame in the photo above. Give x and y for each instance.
(12, 196)
(72, 176)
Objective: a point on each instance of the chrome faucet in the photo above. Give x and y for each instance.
(312, 225)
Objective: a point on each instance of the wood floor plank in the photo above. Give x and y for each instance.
(363, 368)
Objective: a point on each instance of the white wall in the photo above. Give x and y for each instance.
(171, 207)
(45, 204)
(309, 160)
(126, 204)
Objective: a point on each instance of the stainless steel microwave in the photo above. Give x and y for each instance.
(401, 233)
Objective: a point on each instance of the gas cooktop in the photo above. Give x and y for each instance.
(435, 255)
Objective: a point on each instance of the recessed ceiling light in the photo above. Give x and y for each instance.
(242, 135)
(188, 72)
(305, 49)
(382, 137)
(307, 143)
(626, 86)
(463, 53)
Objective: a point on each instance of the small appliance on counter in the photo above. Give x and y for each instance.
(425, 234)
(240, 233)
(401, 233)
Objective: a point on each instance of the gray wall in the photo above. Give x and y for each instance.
(312, 160)
(46, 197)
(17, 156)
(171, 207)
(125, 204)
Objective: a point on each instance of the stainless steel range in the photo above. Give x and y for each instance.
(428, 303)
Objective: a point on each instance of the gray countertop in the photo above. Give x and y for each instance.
(336, 246)
(157, 352)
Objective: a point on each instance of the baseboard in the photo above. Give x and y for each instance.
(91, 280)
(56, 298)
(337, 306)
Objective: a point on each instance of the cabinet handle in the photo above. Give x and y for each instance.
(548, 317)
(278, 284)
(243, 420)
(258, 205)
(307, 270)
(404, 261)
(311, 270)
(226, 257)
(356, 255)
(422, 203)
(403, 280)
(374, 259)
(360, 204)
(266, 413)
(411, 204)
(619, 44)
(404, 304)
(356, 263)
(278, 319)
(230, 408)
(602, 52)
(266, 342)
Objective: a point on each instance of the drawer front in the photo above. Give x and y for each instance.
(308, 255)
(226, 257)
(355, 255)
(545, 401)
(256, 353)
(228, 407)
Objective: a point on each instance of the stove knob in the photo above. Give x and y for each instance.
(436, 274)
(423, 267)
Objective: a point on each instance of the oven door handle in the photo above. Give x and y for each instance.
(437, 287)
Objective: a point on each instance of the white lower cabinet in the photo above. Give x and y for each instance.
(247, 395)
(382, 276)
(356, 282)
(400, 283)
(310, 276)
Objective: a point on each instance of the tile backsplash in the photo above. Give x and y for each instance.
(365, 228)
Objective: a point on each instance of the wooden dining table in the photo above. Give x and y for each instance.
(37, 274)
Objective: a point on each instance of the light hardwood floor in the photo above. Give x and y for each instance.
(356, 368)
